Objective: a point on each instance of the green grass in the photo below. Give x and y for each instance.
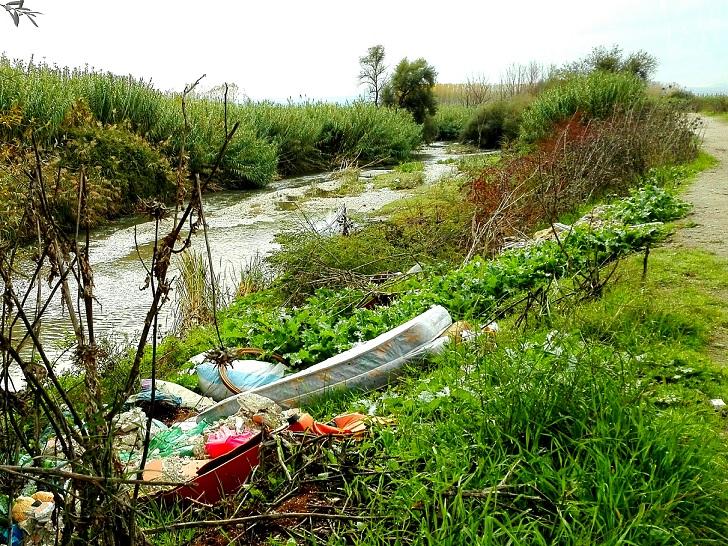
(591, 426)
(473, 165)
(399, 180)
(594, 96)
(596, 424)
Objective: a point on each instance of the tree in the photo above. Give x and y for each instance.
(639, 63)
(372, 71)
(16, 10)
(412, 87)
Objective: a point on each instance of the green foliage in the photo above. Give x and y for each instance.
(593, 96)
(272, 138)
(561, 426)
(412, 87)
(131, 164)
(708, 104)
(410, 167)
(473, 164)
(639, 63)
(399, 180)
(493, 124)
(329, 321)
(593, 428)
(650, 203)
(427, 227)
(451, 120)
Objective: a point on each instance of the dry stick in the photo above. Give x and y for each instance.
(48, 301)
(33, 471)
(152, 398)
(79, 212)
(213, 283)
(257, 517)
(644, 263)
(45, 209)
(84, 266)
(180, 164)
(49, 407)
(169, 241)
(71, 432)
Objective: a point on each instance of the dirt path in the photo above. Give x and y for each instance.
(709, 196)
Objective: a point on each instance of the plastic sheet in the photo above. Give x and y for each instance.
(225, 440)
(245, 374)
(367, 366)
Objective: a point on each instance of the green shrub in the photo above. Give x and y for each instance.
(650, 203)
(451, 120)
(133, 166)
(493, 124)
(594, 96)
(712, 104)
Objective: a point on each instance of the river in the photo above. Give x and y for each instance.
(241, 226)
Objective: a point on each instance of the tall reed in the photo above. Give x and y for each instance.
(272, 138)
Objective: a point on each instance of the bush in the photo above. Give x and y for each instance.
(131, 164)
(493, 124)
(451, 120)
(713, 104)
(576, 164)
(431, 226)
(590, 97)
(271, 139)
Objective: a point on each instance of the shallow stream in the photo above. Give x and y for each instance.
(241, 226)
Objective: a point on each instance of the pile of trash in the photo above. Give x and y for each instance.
(204, 449)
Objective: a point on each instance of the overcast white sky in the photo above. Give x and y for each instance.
(279, 49)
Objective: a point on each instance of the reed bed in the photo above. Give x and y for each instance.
(272, 139)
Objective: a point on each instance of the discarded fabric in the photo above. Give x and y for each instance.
(245, 374)
(188, 398)
(345, 424)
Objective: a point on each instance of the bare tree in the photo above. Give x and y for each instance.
(477, 90)
(372, 71)
(92, 490)
(522, 78)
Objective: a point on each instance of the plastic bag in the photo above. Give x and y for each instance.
(225, 440)
(188, 398)
(177, 442)
(245, 374)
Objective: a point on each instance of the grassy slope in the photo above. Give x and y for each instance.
(601, 433)
(605, 435)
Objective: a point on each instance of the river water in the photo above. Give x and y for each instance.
(241, 226)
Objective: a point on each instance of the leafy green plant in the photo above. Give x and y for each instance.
(650, 203)
(493, 124)
(451, 120)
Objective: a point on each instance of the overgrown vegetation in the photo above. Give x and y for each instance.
(503, 439)
(592, 96)
(581, 161)
(493, 125)
(584, 421)
(592, 427)
(126, 133)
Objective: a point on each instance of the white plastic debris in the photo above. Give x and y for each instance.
(717, 403)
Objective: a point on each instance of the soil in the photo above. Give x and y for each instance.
(707, 226)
